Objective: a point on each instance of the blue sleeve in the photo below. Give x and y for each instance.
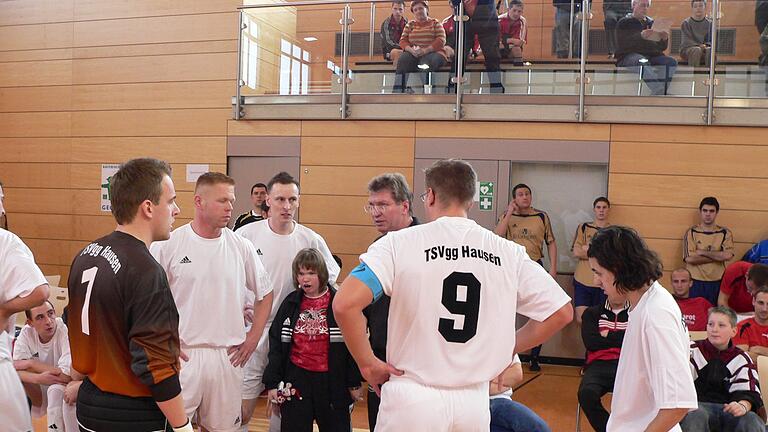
(369, 278)
(752, 254)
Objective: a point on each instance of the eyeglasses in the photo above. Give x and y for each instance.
(377, 209)
(423, 197)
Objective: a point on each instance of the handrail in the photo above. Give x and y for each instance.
(346, 19)
(586, 15)
(459, 58)
(239, 83)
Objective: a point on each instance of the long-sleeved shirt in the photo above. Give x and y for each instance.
(695, 33)
(509, 28)
(429, 33)
(724, 376)
(391, 32)
(630, 40)
(598, 319)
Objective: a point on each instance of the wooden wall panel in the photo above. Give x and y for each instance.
(358, 128)
(343, 180)
(162, 29)
(689, 134)
(565, 131)
(264, 128)
(36, 36)
(36, 73)
(167, 95)
(85, 82)
(398, 152)
(346, 239)
(182, 67)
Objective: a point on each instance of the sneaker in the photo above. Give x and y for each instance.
(534, 366)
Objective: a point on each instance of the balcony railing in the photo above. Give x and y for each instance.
(322, 60)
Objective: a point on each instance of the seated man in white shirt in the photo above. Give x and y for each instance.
(42, 358)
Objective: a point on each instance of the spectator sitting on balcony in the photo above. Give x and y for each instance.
(696, 43)
(639, 47)
(449, 24)
(391, 30)
(614, 10)
(565, 45)
(513, 32)
(423, 43)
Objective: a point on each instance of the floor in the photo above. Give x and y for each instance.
(551, 393)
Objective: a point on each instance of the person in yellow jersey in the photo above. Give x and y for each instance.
(585, 292)
(531, 228)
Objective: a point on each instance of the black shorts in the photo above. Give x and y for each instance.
(100, 411)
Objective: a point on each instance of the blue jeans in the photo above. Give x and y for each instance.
(710, 416)
(510, 416)
(657, 70)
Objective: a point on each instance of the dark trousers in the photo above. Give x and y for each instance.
(409, 63)
(297, 415)
(486, 27)
(598, 380)
(108, 412)
(373, 408)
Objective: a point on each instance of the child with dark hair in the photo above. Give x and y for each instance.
(307, 353)
(654, 387)
(696, 30)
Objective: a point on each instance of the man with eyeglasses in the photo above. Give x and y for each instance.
(389, 204)
(278, 239)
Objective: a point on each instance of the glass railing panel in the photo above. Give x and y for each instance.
(742, 50)
(286, 53)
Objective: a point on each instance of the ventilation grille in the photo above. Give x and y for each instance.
(358, 44)
(726, 41)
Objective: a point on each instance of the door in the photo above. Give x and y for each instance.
(249, 170)
(493, 181)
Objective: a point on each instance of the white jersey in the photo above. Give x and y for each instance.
(654, 369)
(277, 252)
(209, 279)
(19, 276)
(455, 289)
(54, 353)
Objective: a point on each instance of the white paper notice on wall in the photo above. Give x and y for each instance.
(476, 198)
(107, 171)
(196, 170)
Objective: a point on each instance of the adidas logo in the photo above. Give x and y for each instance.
(53, 427)
(258, 251)
(237, 421)
(287, 322)
(185, 260)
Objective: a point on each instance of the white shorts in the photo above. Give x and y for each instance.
(211, 387)
(408, 405)
(13, 403)
(253, 371)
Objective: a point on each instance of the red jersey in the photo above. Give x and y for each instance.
(750, 333)
(694, 312)
(311, 338)
(448, 25)
(735, 285)
(508, 28)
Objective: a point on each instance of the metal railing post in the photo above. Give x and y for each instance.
(710, 114)
(459, 58)
(372, 31)
(570, 30)
(585, 17)
(239, 82)
(345, 17)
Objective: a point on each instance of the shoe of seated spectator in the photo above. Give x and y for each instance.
(409, 90)
(534, 366)
(611, 56)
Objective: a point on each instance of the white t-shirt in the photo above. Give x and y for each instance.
(277, 252)
(209, 279)
(444, 277)
(654, 367)
(19, 276)
(55, 352)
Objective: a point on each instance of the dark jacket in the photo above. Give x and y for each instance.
(377, 314)
(601, 348)
(342, 370)
(630, 41)
(761, 15)
(390, 41)
(724, 376)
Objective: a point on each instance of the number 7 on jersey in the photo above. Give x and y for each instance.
(89, 276)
